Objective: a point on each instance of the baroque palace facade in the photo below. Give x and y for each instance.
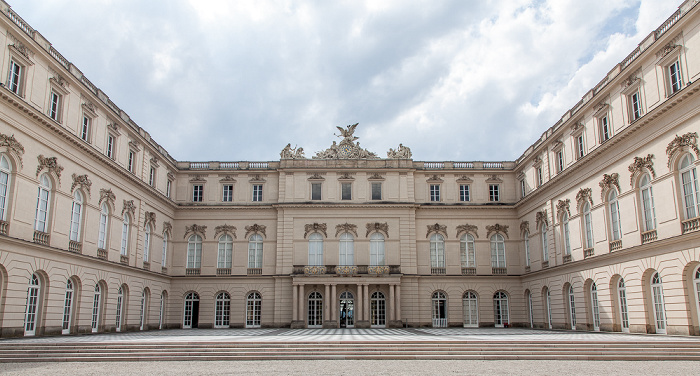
(596, 226)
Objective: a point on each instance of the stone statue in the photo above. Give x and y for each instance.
(402, 152)
(347, 134)
(292, 153)
(347, 148)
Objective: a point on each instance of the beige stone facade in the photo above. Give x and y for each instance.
(595, 227)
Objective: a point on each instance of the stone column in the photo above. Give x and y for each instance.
(398, 303)
(295, 303)
(366, 302)
(391, 303)
(302, 300)
(327, 309)
(334, 303)
(358, 304)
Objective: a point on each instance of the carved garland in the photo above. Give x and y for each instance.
(607, 183)
(82, 181)
(467, 228)
(130, 207)
(50, 164)
(346, 227)
(12, 144)
(441, 229)
(541, 218)
(225, 229)
(525, 226)
(642, 163)
(584, 194)
(495, 229)
(689, 139)
(254, 229)
(377, 226)
(106, 195)
(149, 219)
(315, 227)
(195, 229)
(562, 206)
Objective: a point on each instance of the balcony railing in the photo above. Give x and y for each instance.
(74, 246)
(433, 165)
(588, 252)
(346, 269)
(648, 236)
(124, 259)
(378, 270)
(41, 237)
(566, 258)
(499, 271)
(192, 271)
(254, 271)
(223, 271)
(469, 271)
(691, 225)
(615, 245)
(437, 271)
(3, 227)
(102, 253)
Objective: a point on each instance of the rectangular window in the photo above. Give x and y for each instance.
(494, 193)
(152, 177)
(14, 82)
(560, 161)
(85, 129)
(376, 191)
(464, 194)
(110, 146)
(522, 188)
(228, 193)
(635, 106)
(539, 176)
(604, 129)
(674, 75)
(130, 162)
(257, 192)
(346, 191)
(168, 187)
(579, 147)
(315, 191)
(197, 193)
(435, 192)
(55, 106)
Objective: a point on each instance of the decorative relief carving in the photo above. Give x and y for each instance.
(375, 176)
(114, 127)
(198, 179)
(667, 49)
(346, 227)
(520, 176)
(149, 219)
(106, 195)
(12, 145)
(440, 229)
(82, 181)
(195, 229)
(316, 176)
(630, 81)
(171, 176)
(495, 229)
(227, 179)
(89, 106)
(402, 152)
(689, 139)
(257, 178)
(435, 178)
(467, 228)
(292, 153)
(154, 161)
(21, 48)
(563, 205)
(557, 145)
(525, 226)
(464, 179)
(345, 176)
(584, 194)
(130, 207)
(377, 226)
(640, 164)
(541, 218)
(225, 229)
(315, 227)
(576, 126)
(167, 228)
(347, 149)
(536, 161)
(135, 146)
(254, 229)
(494, 179)
(607, 183)
(49, 163)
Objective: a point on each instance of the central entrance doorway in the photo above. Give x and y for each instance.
(347, 310)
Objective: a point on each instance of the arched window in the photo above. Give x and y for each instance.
(587, 226)
(253, 310)
(255, 251)
(526, 239)
(147, 244)
(143, 309)
(104, 225)
(346, 250)
(572, 308)
(548, 307)
(191, 313)
(689, 182)
(377, 309)
(696, 283)
(316, 249)
(76, 216)
(614, 215)
(347, 310)
(315, 314)
(31, 312)
(657, 293)
(498, 251)
(161, 311)
(96, 308)
(530, 313)
(125, 235)
(467, 251)
(42, 204)
(622, 295)
(545, 243)
(595, 308)
(5, 171)
(437, 251)
(566, 233)
(120, 309)
(164, 258)
(222, 312)
(500, 309)
(68, 308)
(439, 309)
(225, 251)
(194, 252)
(470, 310)
(376, 249)
(647, 199)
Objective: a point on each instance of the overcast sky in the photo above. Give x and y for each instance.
(237, 80)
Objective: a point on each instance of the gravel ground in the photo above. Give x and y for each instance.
(356, 367)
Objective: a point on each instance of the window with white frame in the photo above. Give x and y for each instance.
(346, 251)
(689, 184)
(168, 188)
(545, 243)
(143, 310)
(346, 191)
(376, 249)
(121, 301)
(104, 225)
(5, 172)
(439, 300)
(15, 79)
(566, 234)
(131, 161)
(437, 251)
(85, 128)
(572, 308)
(500, 309)
(614, 212)
(227, 193)
(152, 177)
(257, 192)
(657, 294)
(110, 146)
(376, 190)
(526, 240)
(470, 310)
(498, 251)
(595, 308)
(253, 310)
(68, 308)
(673, 75)
(587, 226)
(194, 252)
(467, 251)
(222, 310)
(435, 192)
(315, 191)
(96, 308)
(377, 309)
(76, 216)
(255, 251)
(197, 193)
(464, 193)
(560, 161)
(579, 146)
(55, 104)
(604, 128)
(530, 311)
(164, 257)
(147, 244)
(494, 192)
(548, 308)
(523, 190)
(634, 105)
(125, 235)
(540, 177)
(646, 196)
(622, 296)
(31, 311)
(315, 249)
(42, 204)
(225, 252)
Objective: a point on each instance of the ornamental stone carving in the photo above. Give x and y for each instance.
(345, 176)
(494, 179)
(402, 152)
(464, 179)
(255, 229)
(562, 206)
(167, 228)
(129, 207)
(496, 229)
(227, 179)
(135, 146)
(49, 163)
(292, 153)
(640, 164)
(467, 228)
(149, 219)
(689, 139)
(82, 181)
(541, 218)
(667, 49)
(347, 149)
(257, 178)
(106, 195)
(346, 227)
(607, 183)
(195, 229)
(525, 226)
(316, 176)
(315, 227)
(375, 176)
(440, 229)
(377, 226)
(12, 145)
(225, 229)
(434, 178)
(584, 195)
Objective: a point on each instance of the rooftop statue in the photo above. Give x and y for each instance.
(292, 153)
(347, 148)
(402, 152)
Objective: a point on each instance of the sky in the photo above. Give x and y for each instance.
(463, 80)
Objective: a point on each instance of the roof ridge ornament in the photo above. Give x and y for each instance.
(348, 148)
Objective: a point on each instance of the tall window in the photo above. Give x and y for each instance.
(85, 128)
(5, 171)
(96, 305)
(257, 192)
(346, 191)
(104, 220)
(498, 251)
(120, 309)
(470, 310)
(315, 191)
(614, 215)
(110, 146)
(587, 227)
(152, 177)
(435, 192)
(164, 258)
(467, 251)
(376, 191)
(253, 310)
(696, 283)
(530, 313)
(377, 306)
(228, 193)
(55, 106)
(675, 78)
(197, 193)
(125, 235)
(572, 308)
(76, 215)
(635, 106)
(437, 251)
(595, 308)
(580, 147)
(464, 193)
(500, 309)
(689, 181)
(540, 177)
(347, 250)
(622, 295)
(494, 193)
(439, 309)
(548, 308)
(560, 161)
(523, 190)
(161, 311)
(255, 251)
(647, 199)
(168, 188)
(545, 243)
(315, 311)
(316, 249)
(194, 252)
(657, 294)
(604, 128)
(222, 311)
(42, 204)
(191, 315)
(225, 252)
(31, 312)
(68, 308)
(15, 80)
(566, 233)
(526, 240)
(130, 162)
(376, 249)
(143, 310)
